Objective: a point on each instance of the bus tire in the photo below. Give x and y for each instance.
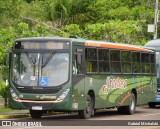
(130, 109)
(121, 110)
(152, 105)
(86, 113)
(35, 113)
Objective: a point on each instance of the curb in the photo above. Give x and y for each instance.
(13, 116)
(25, 115)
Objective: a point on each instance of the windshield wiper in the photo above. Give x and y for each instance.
(32, 62)
(47, 59)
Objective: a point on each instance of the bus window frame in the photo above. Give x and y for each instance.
(121, 62)
(82, 61)
(145, 73)
(130, 58)
(153, 63)
(85, 60)
(115, 61)
(138, 73)
(108, 61)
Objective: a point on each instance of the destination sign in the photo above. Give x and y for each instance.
(41, 45)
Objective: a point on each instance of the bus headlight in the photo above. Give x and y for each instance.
(63, 95)
(13, 94)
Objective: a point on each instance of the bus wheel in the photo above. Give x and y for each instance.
(35, 113)
(121, 110)
(151, 105)
(130, 109)
(86, 114)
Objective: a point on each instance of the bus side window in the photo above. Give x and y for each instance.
(77, 61)
(145, 60)
(136, 62)
(115, 61)
(152, 60)
(91, 60)
(103, 60)
(126, 61)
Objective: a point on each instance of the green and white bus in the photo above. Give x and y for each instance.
(71, 74)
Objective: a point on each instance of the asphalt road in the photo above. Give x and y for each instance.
(144, 118)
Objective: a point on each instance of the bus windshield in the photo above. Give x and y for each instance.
(45, 69)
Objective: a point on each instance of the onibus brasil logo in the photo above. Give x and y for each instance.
(112, 84)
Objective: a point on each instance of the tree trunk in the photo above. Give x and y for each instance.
(5, 102)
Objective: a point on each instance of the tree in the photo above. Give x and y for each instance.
(93, 19)
(9, 12)
(82, 12)
(73, 30)
(4, 92)
(29, 1)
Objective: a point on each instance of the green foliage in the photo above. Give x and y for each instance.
(121, 13)
(35, 9)
(73, 30)
(116, 31)
(86, 14)
(9, 11)
(3, 89)
(95, 31)
(123, 31)
(4, 72)
(42, 30)
(4, 92)
(2, 53)
(50, 10)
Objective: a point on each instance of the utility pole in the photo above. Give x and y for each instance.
(156, 20)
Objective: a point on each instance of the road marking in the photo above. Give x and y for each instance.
(151, 114)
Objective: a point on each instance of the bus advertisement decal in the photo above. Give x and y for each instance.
(111, 84)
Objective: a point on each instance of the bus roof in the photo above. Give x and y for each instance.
(41, 38)
(116, 46)
(92, 43)
(154, 44)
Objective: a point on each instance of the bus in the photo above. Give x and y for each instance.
(155, 44)
(77, 75)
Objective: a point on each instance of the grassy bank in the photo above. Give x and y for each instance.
(3, 109)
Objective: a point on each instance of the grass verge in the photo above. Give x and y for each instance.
(4, 109)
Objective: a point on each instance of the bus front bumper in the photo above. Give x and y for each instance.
(40, 105)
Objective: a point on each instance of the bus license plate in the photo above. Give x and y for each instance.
(36, 107)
